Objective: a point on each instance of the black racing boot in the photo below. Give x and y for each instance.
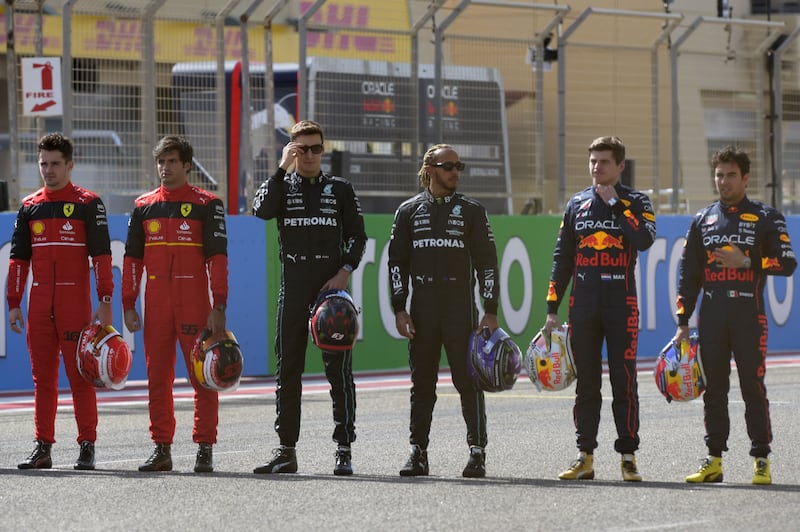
(417, 464)
(85, 460)
(284, 460)
(476, 466)
(344, 464)
(160, 460)
(204, 462)
(39, 457)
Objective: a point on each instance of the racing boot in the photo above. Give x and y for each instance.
(39, 457)
(204, 463)
(761, 472)
(344, 464)
(629, 471)
(284, 460)
(160, 460)
(476, 466)
(417, 464)
(710, 470)
(85, 461)
(582, 468)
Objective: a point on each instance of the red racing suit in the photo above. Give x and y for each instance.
(54, 236)
(596, 249)
(179, 238)
(732, 317)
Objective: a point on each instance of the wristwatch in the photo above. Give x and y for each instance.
(105, 299)
(747, 263)
(347, 268)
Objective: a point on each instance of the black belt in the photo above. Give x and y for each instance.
(419, 280)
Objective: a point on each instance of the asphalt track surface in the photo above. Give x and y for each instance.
(531, 440)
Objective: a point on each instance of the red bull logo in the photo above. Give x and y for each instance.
(729, 274)
(600, 241)
(378, 106)
(632, 220)
(770, 263)
(549, 370)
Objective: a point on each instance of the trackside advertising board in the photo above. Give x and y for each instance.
(525, 253)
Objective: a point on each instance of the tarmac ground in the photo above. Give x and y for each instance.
(531, 439)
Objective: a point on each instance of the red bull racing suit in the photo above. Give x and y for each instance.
(441, 244)
(321, 230)
(179, 238)
(54, 235)
(732, 317)
(596, 249)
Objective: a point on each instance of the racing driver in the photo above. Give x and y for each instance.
(177, 234)
(731, 246)
(603, 228)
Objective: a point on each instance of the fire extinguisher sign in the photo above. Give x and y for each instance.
(41, 86)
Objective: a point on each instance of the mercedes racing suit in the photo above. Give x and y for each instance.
(732, 317)
(321, 230)
(55, 233)
(179, 238)
(441, 244)
(596, 249)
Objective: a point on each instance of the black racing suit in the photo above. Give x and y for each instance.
(596, 249)
(732, 315)
(321, 230)
(442, 244)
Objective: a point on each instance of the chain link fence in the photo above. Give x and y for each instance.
(519, 88)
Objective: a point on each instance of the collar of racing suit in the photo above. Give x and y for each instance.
(438, 200)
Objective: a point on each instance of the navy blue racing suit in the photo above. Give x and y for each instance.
(732, 316)
(441, 244)
(321, 230)
(596, 249)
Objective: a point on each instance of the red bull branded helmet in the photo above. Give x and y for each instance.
(217, 361)
(333, 322)
(679, 371)
(494, 361)
(103, 357)
(549, 360)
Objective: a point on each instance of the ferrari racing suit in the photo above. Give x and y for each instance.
(55, 233)
(320, 230)
(441, 244)
(179, 238)
(596, 249)
(732, 317)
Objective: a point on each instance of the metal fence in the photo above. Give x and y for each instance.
(519, 88)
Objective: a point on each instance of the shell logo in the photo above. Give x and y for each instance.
(153, 226)
(748, 217)
(37, 228)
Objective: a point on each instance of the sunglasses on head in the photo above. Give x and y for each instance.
(449, 165)
(316, 149)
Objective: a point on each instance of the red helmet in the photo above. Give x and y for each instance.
(103, 357)
(334, 321)
(217, 361)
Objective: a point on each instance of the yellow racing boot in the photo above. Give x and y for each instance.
(710, 470)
